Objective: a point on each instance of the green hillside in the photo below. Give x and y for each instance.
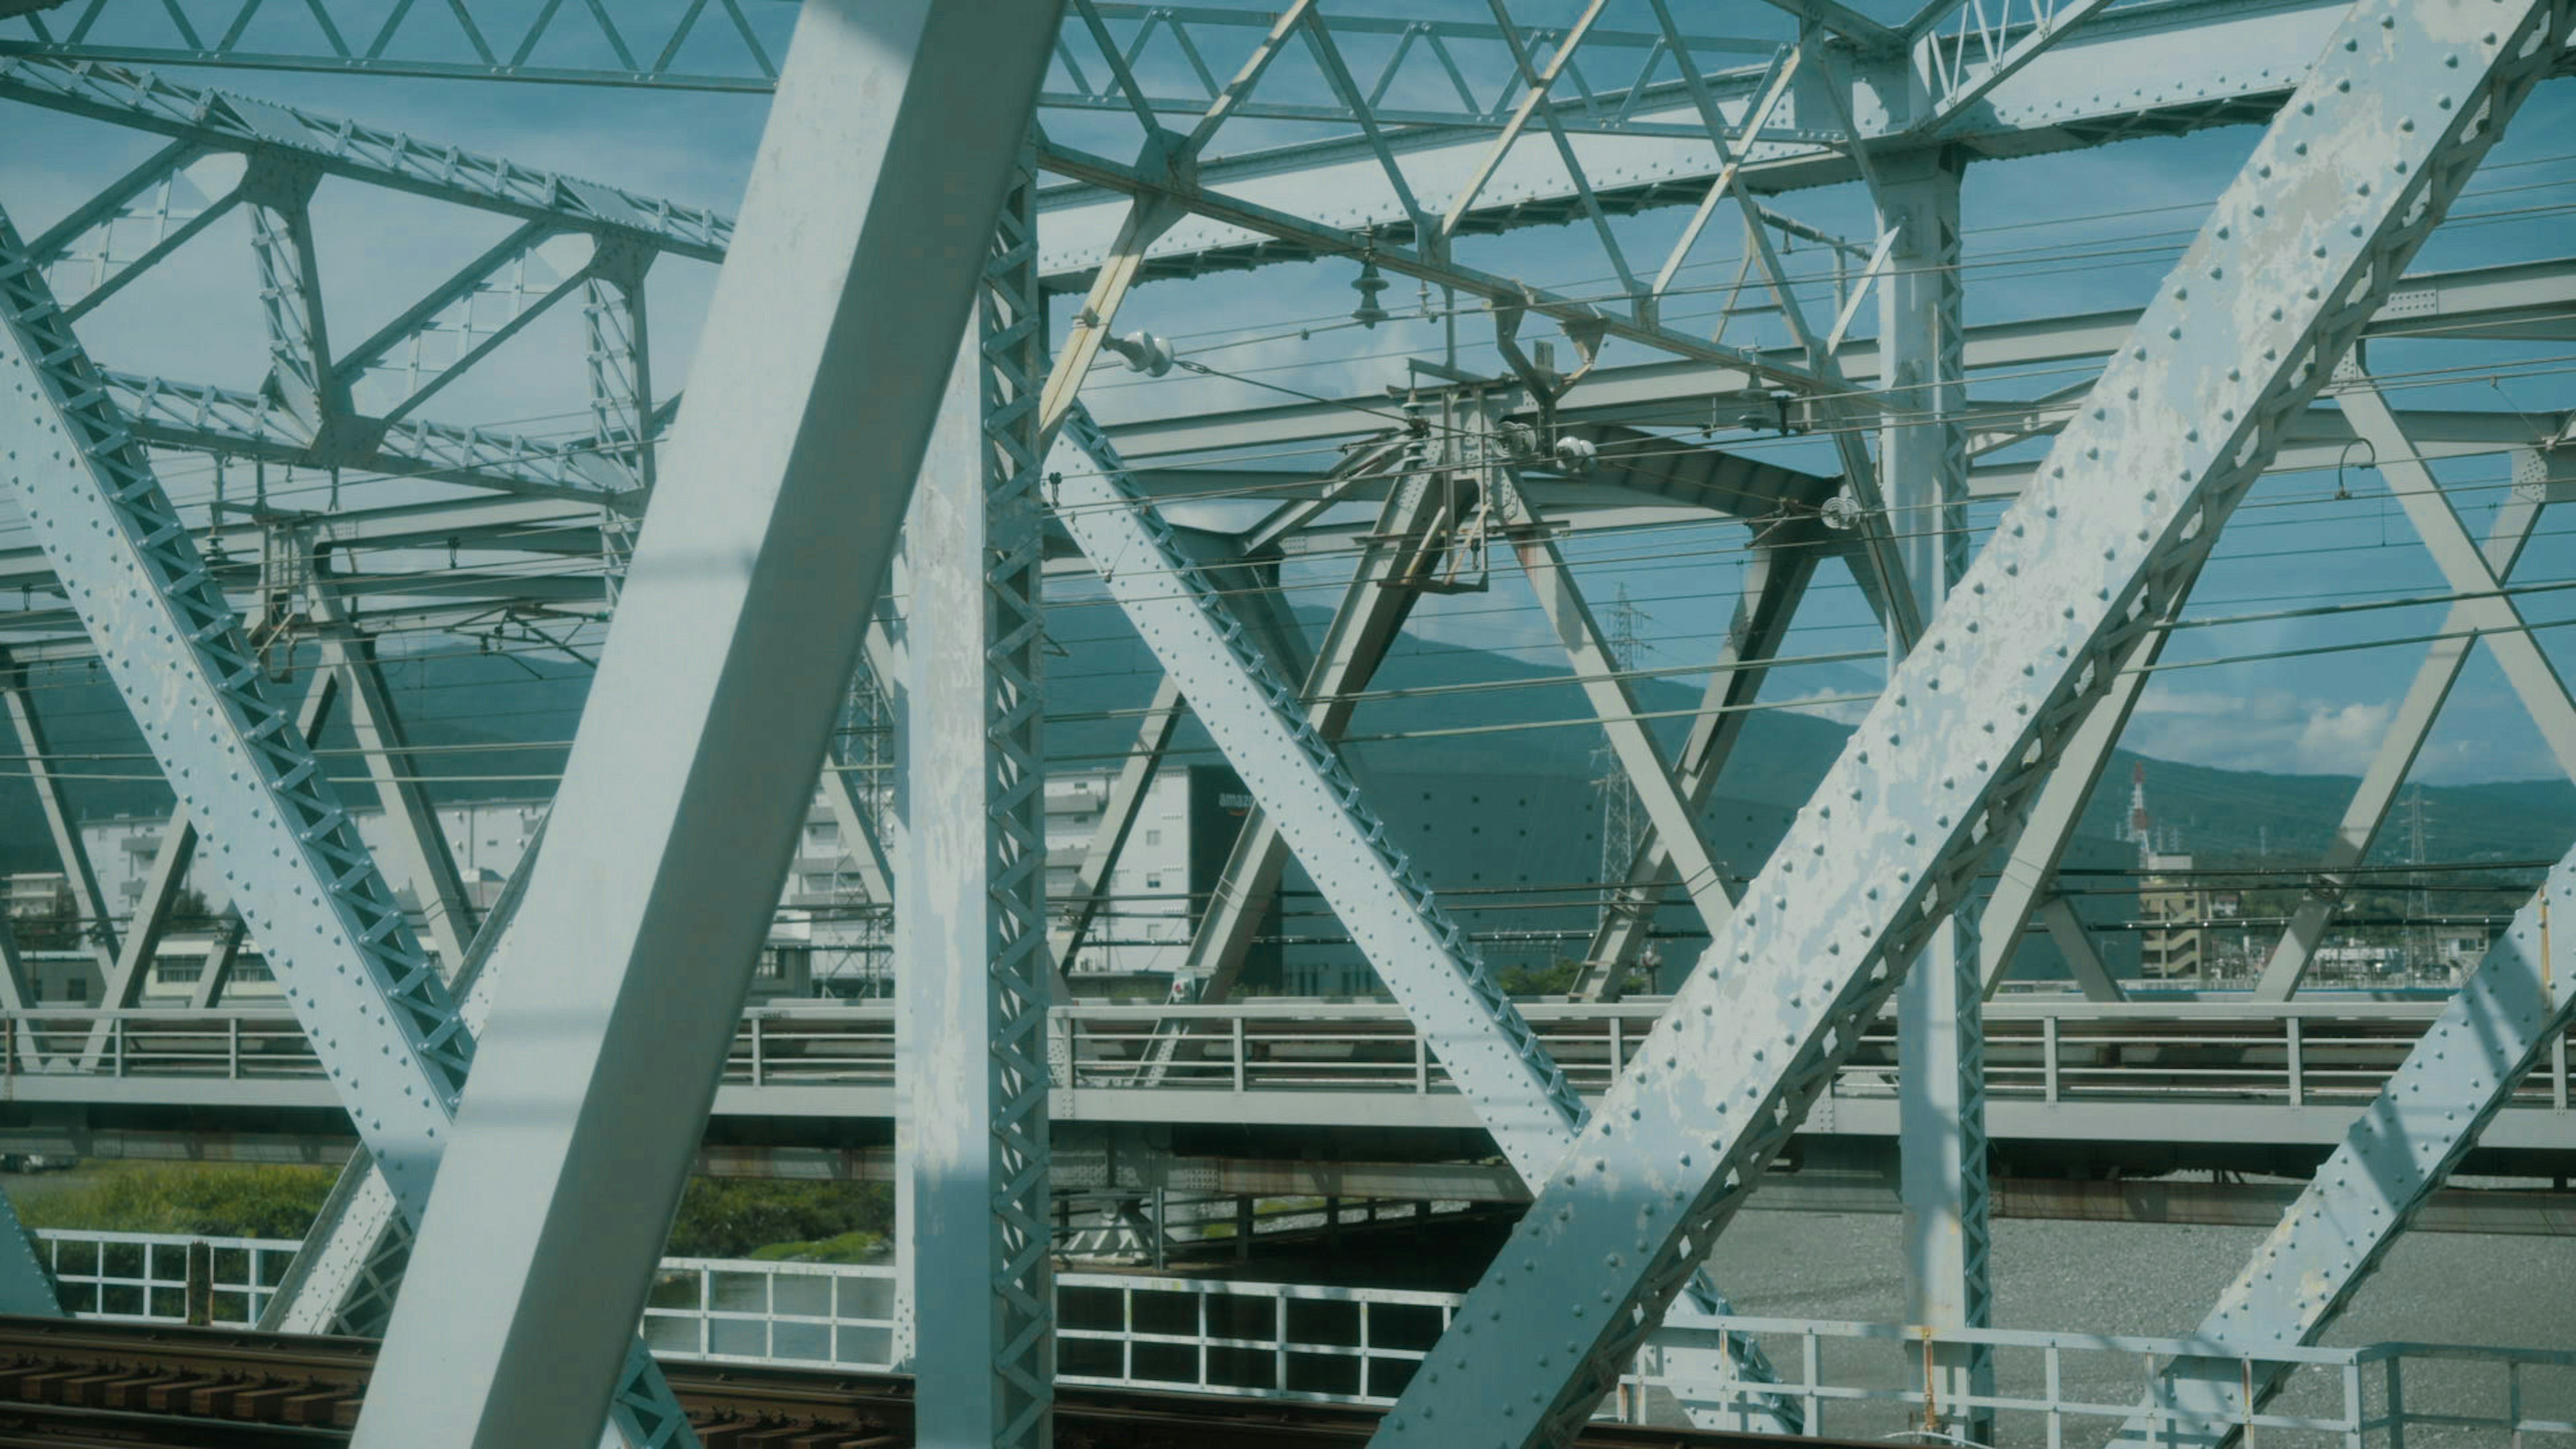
(492, 727)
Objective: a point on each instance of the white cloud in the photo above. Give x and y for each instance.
(2272, 730)
(1837, 705)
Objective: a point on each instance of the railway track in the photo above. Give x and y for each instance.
(73, 1384)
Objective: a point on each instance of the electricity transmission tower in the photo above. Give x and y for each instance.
(1622, 815)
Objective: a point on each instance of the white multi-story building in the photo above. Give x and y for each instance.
(34, 892)
(825, 923)
(1154, 898)
(1516, 858)
(487, 840)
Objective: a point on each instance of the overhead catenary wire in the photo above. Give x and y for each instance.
(427, 584)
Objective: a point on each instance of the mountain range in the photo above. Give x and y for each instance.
(493, 725)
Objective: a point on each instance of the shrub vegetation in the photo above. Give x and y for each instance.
(720, 1217)
(228, 1201)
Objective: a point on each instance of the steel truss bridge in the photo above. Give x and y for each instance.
(832, 500)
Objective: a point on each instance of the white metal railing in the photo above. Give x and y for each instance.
(2046, 1383)
(729, 1310)
(143, 1277)
(2287, 1054)
(1361, 1345)
(1114, 1329)
(1274, 1340)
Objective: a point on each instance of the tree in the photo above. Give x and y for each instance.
(1559, 977)
(55, 926)
(189, 911)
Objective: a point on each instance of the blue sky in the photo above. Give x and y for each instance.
(2078, 231)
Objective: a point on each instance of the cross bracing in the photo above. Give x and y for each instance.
(1764, 422)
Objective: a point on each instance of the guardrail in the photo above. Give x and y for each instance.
(2364, 1397)
(1351, 1345)
(143, 1277)
(1361, 1345)
(2289, 1054)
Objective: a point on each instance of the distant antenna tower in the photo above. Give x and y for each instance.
(2420, 901)
(1622, 817)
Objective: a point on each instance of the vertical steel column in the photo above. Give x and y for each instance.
(1940, 1025)
(889, 148)
(975, 980)
(621, 392)
(280, 188)
(894, 675)
(620, 357)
